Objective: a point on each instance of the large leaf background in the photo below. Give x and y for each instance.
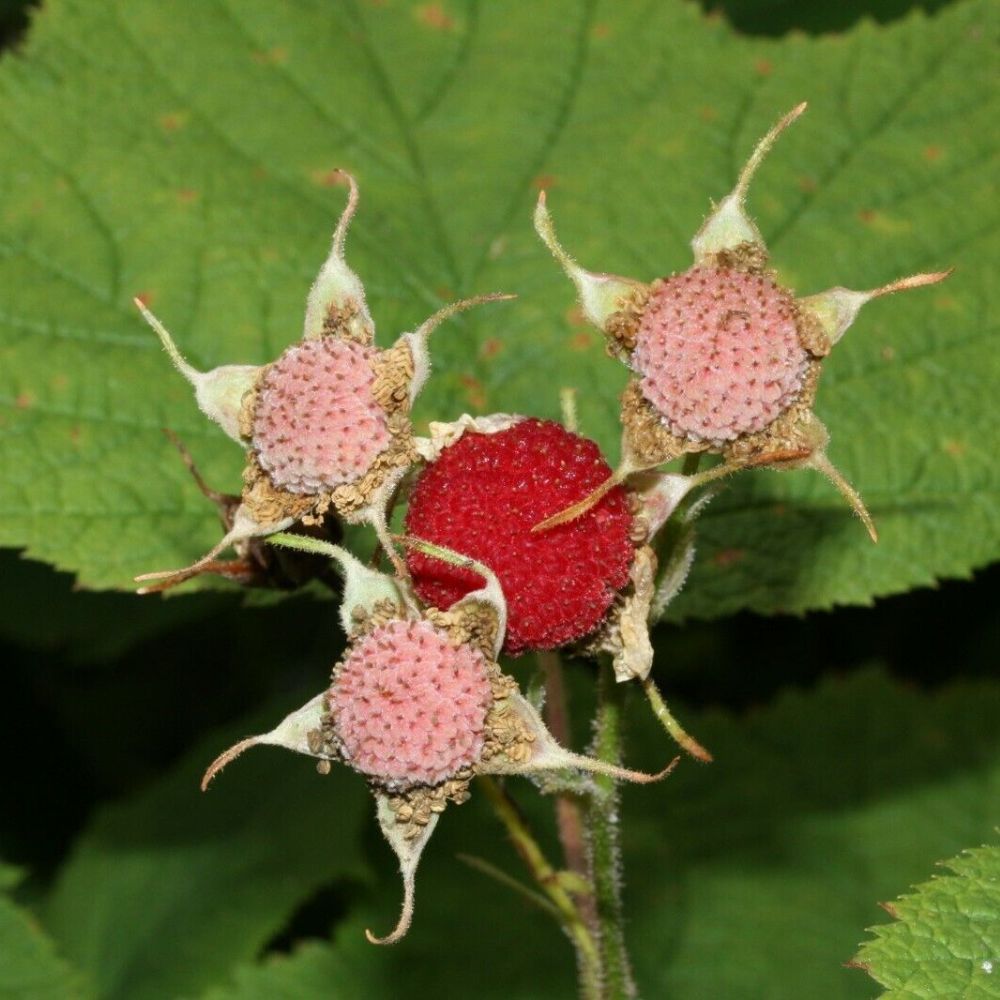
(185, 151)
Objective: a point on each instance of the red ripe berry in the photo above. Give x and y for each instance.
(484, 494)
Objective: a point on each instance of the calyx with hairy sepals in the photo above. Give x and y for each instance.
(725, 359)
(327, 425)
(419, 705)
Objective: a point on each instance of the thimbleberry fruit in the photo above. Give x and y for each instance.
(420, 706)
(408, 706)
(326, 426)
(483, 494)
(725, 360)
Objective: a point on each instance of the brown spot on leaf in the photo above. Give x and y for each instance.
(491, 348)
(888, 353)
(707, 114)
(574, 316)
(581, 341)
(763, 67)
(187, 196)
(59, 381)
(146, 298)
(171, 121)
(327, 177)
(474, 391)
(600, 31)
(932, 153)
(891, 910)
(945, 302)
(955, 448)
(725, 558)
(24, 400)
(543, 182)
(277, 56)
(867, 216)
(807, 184)
(434, 16)
(74, 434)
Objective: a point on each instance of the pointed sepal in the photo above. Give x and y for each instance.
(658, 494)
(336, 304)
(219, 392)
(408, 843)
(365, 589)
(681, 557)
(417, 341)
(296, 732)
(520, 743)
(490, 595)
(837, 308)
(729, 226)
(601, 295)
(674, 729)
(813, 439)
(244, 528)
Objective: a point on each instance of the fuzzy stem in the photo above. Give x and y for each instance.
(587, 951)
(604, 843)
(569, 814)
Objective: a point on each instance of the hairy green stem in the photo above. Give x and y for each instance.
(588, 954)
(569, 809)
(603, 828)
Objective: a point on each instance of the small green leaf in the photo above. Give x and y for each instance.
(342, 972)
(29, 964)
(946, 941)
(163, 894)
(750, 877)
(189, 155)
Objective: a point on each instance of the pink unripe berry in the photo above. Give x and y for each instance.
(718, 352)
(317, 424)
(408, 706)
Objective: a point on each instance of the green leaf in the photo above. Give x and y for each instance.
(186, 154)
(30, 966)
(946, 942)
(165, 892)
(343, 972)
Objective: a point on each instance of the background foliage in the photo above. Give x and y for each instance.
(188, 156)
